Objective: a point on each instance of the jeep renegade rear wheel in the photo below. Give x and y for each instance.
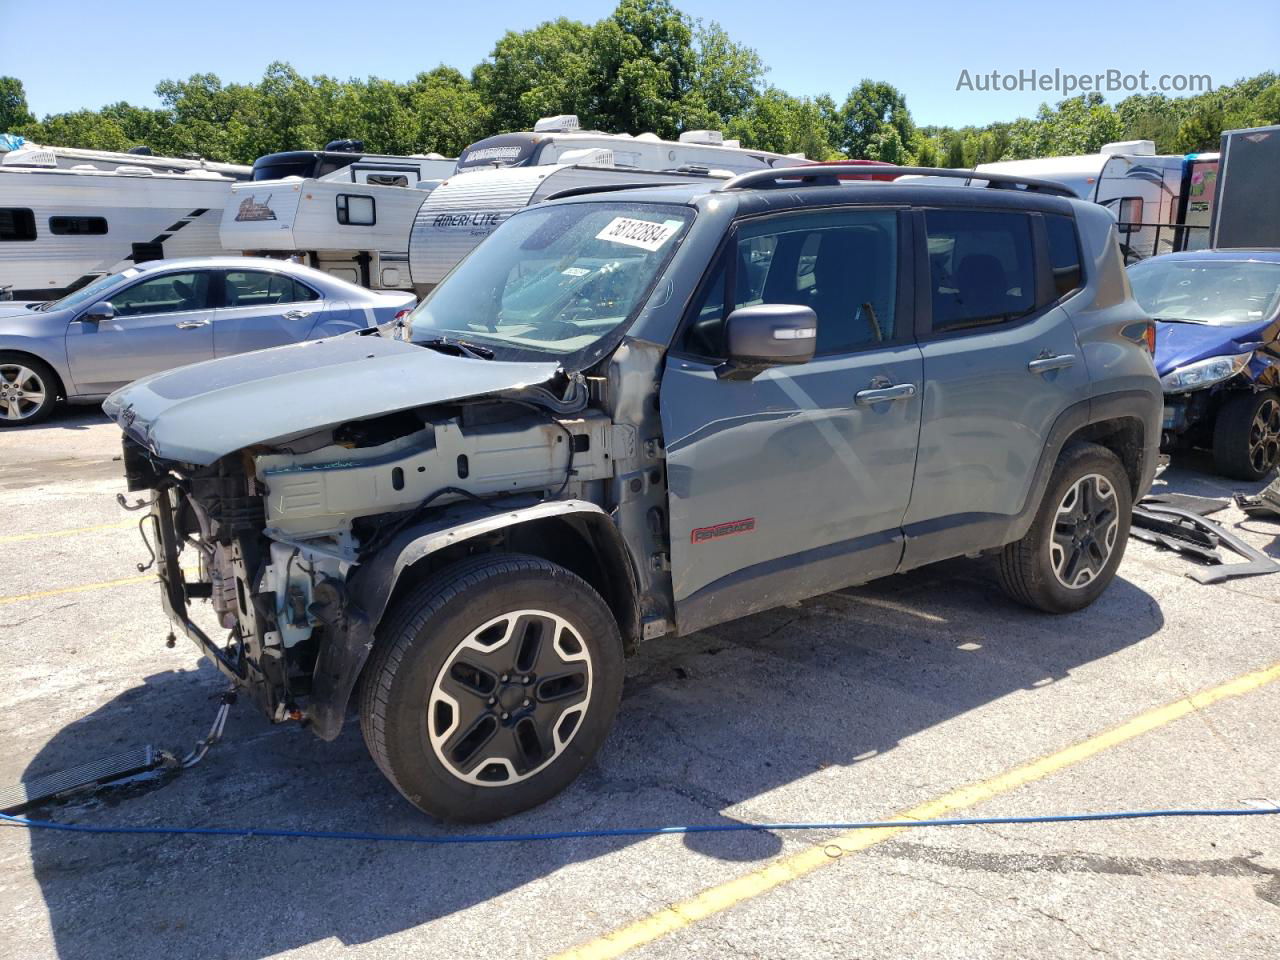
(492, 687)
(1077, 539)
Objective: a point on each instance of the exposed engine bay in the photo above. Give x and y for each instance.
(270, 534)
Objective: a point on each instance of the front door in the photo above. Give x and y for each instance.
(791, 484)
(160, 322)
(262, 308)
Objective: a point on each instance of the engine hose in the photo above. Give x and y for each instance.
(473, 838)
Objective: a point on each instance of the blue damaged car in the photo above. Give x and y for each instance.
(1217, 314)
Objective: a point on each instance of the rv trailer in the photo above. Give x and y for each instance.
(1163, 203)
(554, 137)
(74, 158)
(341, 211)
(501, 174)
(1246, 211)
(62, 228)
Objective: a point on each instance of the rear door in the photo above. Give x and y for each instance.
(795, 482)
(161, 321)
(263, 308)
(1001, 362)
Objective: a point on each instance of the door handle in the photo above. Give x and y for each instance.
(1043, 364)
(191, 324)
(899, 391)
(297, 314)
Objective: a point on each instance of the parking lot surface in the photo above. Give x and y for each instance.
(928, 693)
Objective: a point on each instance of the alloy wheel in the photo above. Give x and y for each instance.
(1264, 436)
(22, 392)
(510, 698)
(1084, 531)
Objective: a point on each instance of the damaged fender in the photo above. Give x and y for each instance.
(354, 618)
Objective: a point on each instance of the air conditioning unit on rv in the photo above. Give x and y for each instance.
(1129, 148)
(710, 138)
(30, 157)
(565, 123)
(588, 156)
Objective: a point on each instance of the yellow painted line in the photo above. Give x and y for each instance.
(70, 532)
(733, 892)
(79, 588)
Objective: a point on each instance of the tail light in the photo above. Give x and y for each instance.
(406, 311)
(1149, 338)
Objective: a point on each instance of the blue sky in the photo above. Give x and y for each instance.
(86, 54)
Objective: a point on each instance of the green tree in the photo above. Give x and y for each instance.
(535, 73)
(781, 123)
(14, 113)
(448, 112)
(872, 107)
(727, 76)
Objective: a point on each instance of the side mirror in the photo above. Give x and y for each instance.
(98, 313)
(767, 335)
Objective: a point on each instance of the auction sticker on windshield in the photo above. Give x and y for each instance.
(644, 234)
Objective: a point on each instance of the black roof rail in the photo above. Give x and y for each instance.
(830, 174)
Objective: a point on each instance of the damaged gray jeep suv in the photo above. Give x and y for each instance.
(638, 412)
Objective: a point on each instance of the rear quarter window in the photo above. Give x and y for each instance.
(1064, 254)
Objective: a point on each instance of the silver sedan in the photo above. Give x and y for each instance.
(169, 313)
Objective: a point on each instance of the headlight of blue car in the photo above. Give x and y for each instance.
(1204, 373)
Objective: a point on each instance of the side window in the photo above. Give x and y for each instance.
(981, 268)
(17, 223)
(258, 288)
(78, 226)
(170, 293)
(1064, 254)
(355, 210)
(843, 266)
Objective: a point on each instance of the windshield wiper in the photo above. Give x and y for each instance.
(472, 350)
(40, 307)
(1203, 323)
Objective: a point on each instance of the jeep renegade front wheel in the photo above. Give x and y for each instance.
(492, 686)
(1077, 539)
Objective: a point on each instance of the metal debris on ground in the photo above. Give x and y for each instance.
(1186, 530)
(1265, 506)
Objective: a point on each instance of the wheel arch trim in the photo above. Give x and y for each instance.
(371, 586)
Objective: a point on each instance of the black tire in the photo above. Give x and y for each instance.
(1246, 435)
(421, 743)
(1031, 570)
(22, 377)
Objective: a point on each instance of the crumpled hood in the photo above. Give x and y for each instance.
(1178, 344)
(202, 412)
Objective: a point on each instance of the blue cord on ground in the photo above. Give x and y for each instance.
(257, 832)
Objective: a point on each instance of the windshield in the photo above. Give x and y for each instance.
(554, 280)
(1218, 292)
(91, 293)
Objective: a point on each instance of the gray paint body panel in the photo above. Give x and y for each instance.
(200, 413)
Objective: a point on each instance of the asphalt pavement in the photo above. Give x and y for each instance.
(927, 694)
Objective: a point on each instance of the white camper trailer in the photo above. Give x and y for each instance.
(1163, 203)
(499, 175)
(553, 137)
(62, 228)
(343, 212)
(75, 158)
(468, 207)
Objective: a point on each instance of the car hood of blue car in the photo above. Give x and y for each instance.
(1178, 343)
(200, 413)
